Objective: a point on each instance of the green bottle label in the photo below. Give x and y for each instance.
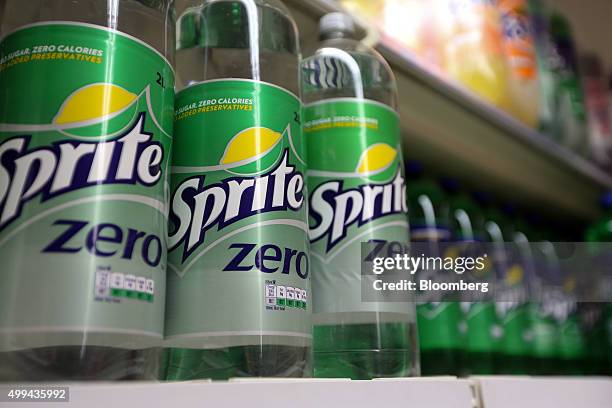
(544, 330)
(514, 321)
(85, 135)
(439, 322)
(439, 325)
(480, 327)
(238, 233)
(571, 340)
(357, 194)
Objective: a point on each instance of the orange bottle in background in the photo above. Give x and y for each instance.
(520, 53)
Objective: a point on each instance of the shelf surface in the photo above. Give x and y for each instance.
(508, 392)
(422, 393)
(456, 133)
(442, 392)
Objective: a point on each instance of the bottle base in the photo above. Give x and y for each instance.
(243, 361)
(364, 365)
(437, 362)
(75, 363)
(477, 363)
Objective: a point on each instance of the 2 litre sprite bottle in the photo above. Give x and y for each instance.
(238, 281)
(86, 119)
(357, 194)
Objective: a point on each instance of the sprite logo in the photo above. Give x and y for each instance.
(262, 181)
(335, 208)
(99, 149)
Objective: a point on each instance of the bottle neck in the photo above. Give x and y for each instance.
(336, 35)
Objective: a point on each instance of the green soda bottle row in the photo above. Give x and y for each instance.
(531, 327)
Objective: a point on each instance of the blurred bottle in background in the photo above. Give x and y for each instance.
(412, 24)
(510, 355)
(519, 49)
(599, 235)
(598, 112)
(562, 111)
(543, 298)
(478, 319)
(345, 79)
(522, 240)
(471, 45)
(571, 336)
(539, 13)
(569, 117)
(438, 321)
(593, 327)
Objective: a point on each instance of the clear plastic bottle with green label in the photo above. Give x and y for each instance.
(570, 124)
(478, 317)
(544, 299)
(510, 352)
(511, 305)
(239, 298)
(562, 108)
(523, 240)
(599, 236)
(86, 119)
(357, 194)
(438, 319)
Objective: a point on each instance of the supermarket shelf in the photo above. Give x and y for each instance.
(442, 392)
(507, 392)
(458, 134)
(423, 393)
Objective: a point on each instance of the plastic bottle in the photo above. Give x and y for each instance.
(547, 60)
(509, 347)
(478, 317)
(351, 127)
(412, 24)
(599, 235)
(85, 133)
(239, 298)
(543, 299)
(472, 49)
(523, 240)
(598, 112)
(570, 116)
(571, 337)
(520, 52)
(438, 320)
(512, 306)
(562, 109)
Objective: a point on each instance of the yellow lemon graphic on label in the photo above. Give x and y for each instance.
(250, 145)
(94, 102)
(376, 159)
(514, 275)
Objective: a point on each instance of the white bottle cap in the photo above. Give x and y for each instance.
(334, 22)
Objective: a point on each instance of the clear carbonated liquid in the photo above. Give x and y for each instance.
(366, 351)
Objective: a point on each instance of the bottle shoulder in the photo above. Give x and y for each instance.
(346, 68)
